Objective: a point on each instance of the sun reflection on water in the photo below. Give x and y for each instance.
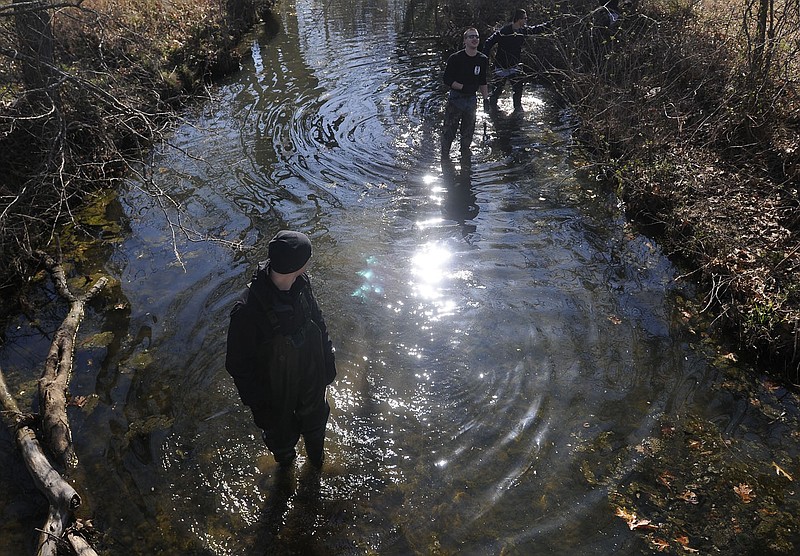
(428, 266)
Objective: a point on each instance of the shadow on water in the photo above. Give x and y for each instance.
(288, 520)
(460, 202)
(506, 126)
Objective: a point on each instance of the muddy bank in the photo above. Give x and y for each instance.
(88, 90)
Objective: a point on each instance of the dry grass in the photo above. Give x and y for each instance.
(714, 164)
(178, 41)
(698, 127)
(120, 71)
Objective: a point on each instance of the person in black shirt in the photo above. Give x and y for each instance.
(279, 353)
(465, 74)
(507, 60)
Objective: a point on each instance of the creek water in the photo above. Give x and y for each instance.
(491, 322)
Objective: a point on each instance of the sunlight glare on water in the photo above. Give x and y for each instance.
(429, 266)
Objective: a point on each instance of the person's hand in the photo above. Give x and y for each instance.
(486, 105)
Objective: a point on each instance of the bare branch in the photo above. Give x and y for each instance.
(24, 8)
(63, 499)
(58, 366)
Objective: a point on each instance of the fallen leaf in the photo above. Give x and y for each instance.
(660, 544)
(771, 386)
(736, 528)
(642, 524)
(633, 521)
(690, 497)
(684, 542)
(78, 401)
(625, 514)
(745, 492)
(781, 472)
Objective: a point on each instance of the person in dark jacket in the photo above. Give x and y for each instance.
(465, 74)
(279, 353)
(508, 58)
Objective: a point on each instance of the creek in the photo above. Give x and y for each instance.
(507, 344)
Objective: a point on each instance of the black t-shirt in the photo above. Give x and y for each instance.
(509, 43)
(470, 70)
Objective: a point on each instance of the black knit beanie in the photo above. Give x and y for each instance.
(289, 251)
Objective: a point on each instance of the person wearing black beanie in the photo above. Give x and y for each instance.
(279, 353)
(289, 251)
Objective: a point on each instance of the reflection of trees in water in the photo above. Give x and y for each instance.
(419, 13)
(514, 137)
(293, 506)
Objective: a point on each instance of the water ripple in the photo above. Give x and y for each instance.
(494, 323)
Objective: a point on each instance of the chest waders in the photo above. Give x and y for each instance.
(292, 367)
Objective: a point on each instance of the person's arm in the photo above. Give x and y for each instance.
(490, 42)
(240, 358)
(450, 72)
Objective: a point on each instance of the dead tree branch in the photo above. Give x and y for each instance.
(58, 367)
(63, 498)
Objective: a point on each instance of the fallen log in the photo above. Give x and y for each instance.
(56, 431)
(79, 545)
(63, 499)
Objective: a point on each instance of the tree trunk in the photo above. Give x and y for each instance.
(761, 31)
(62, 497)
(35, 33)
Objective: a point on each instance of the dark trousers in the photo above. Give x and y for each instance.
(459, 117)
(282, 435)
(517, 80)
